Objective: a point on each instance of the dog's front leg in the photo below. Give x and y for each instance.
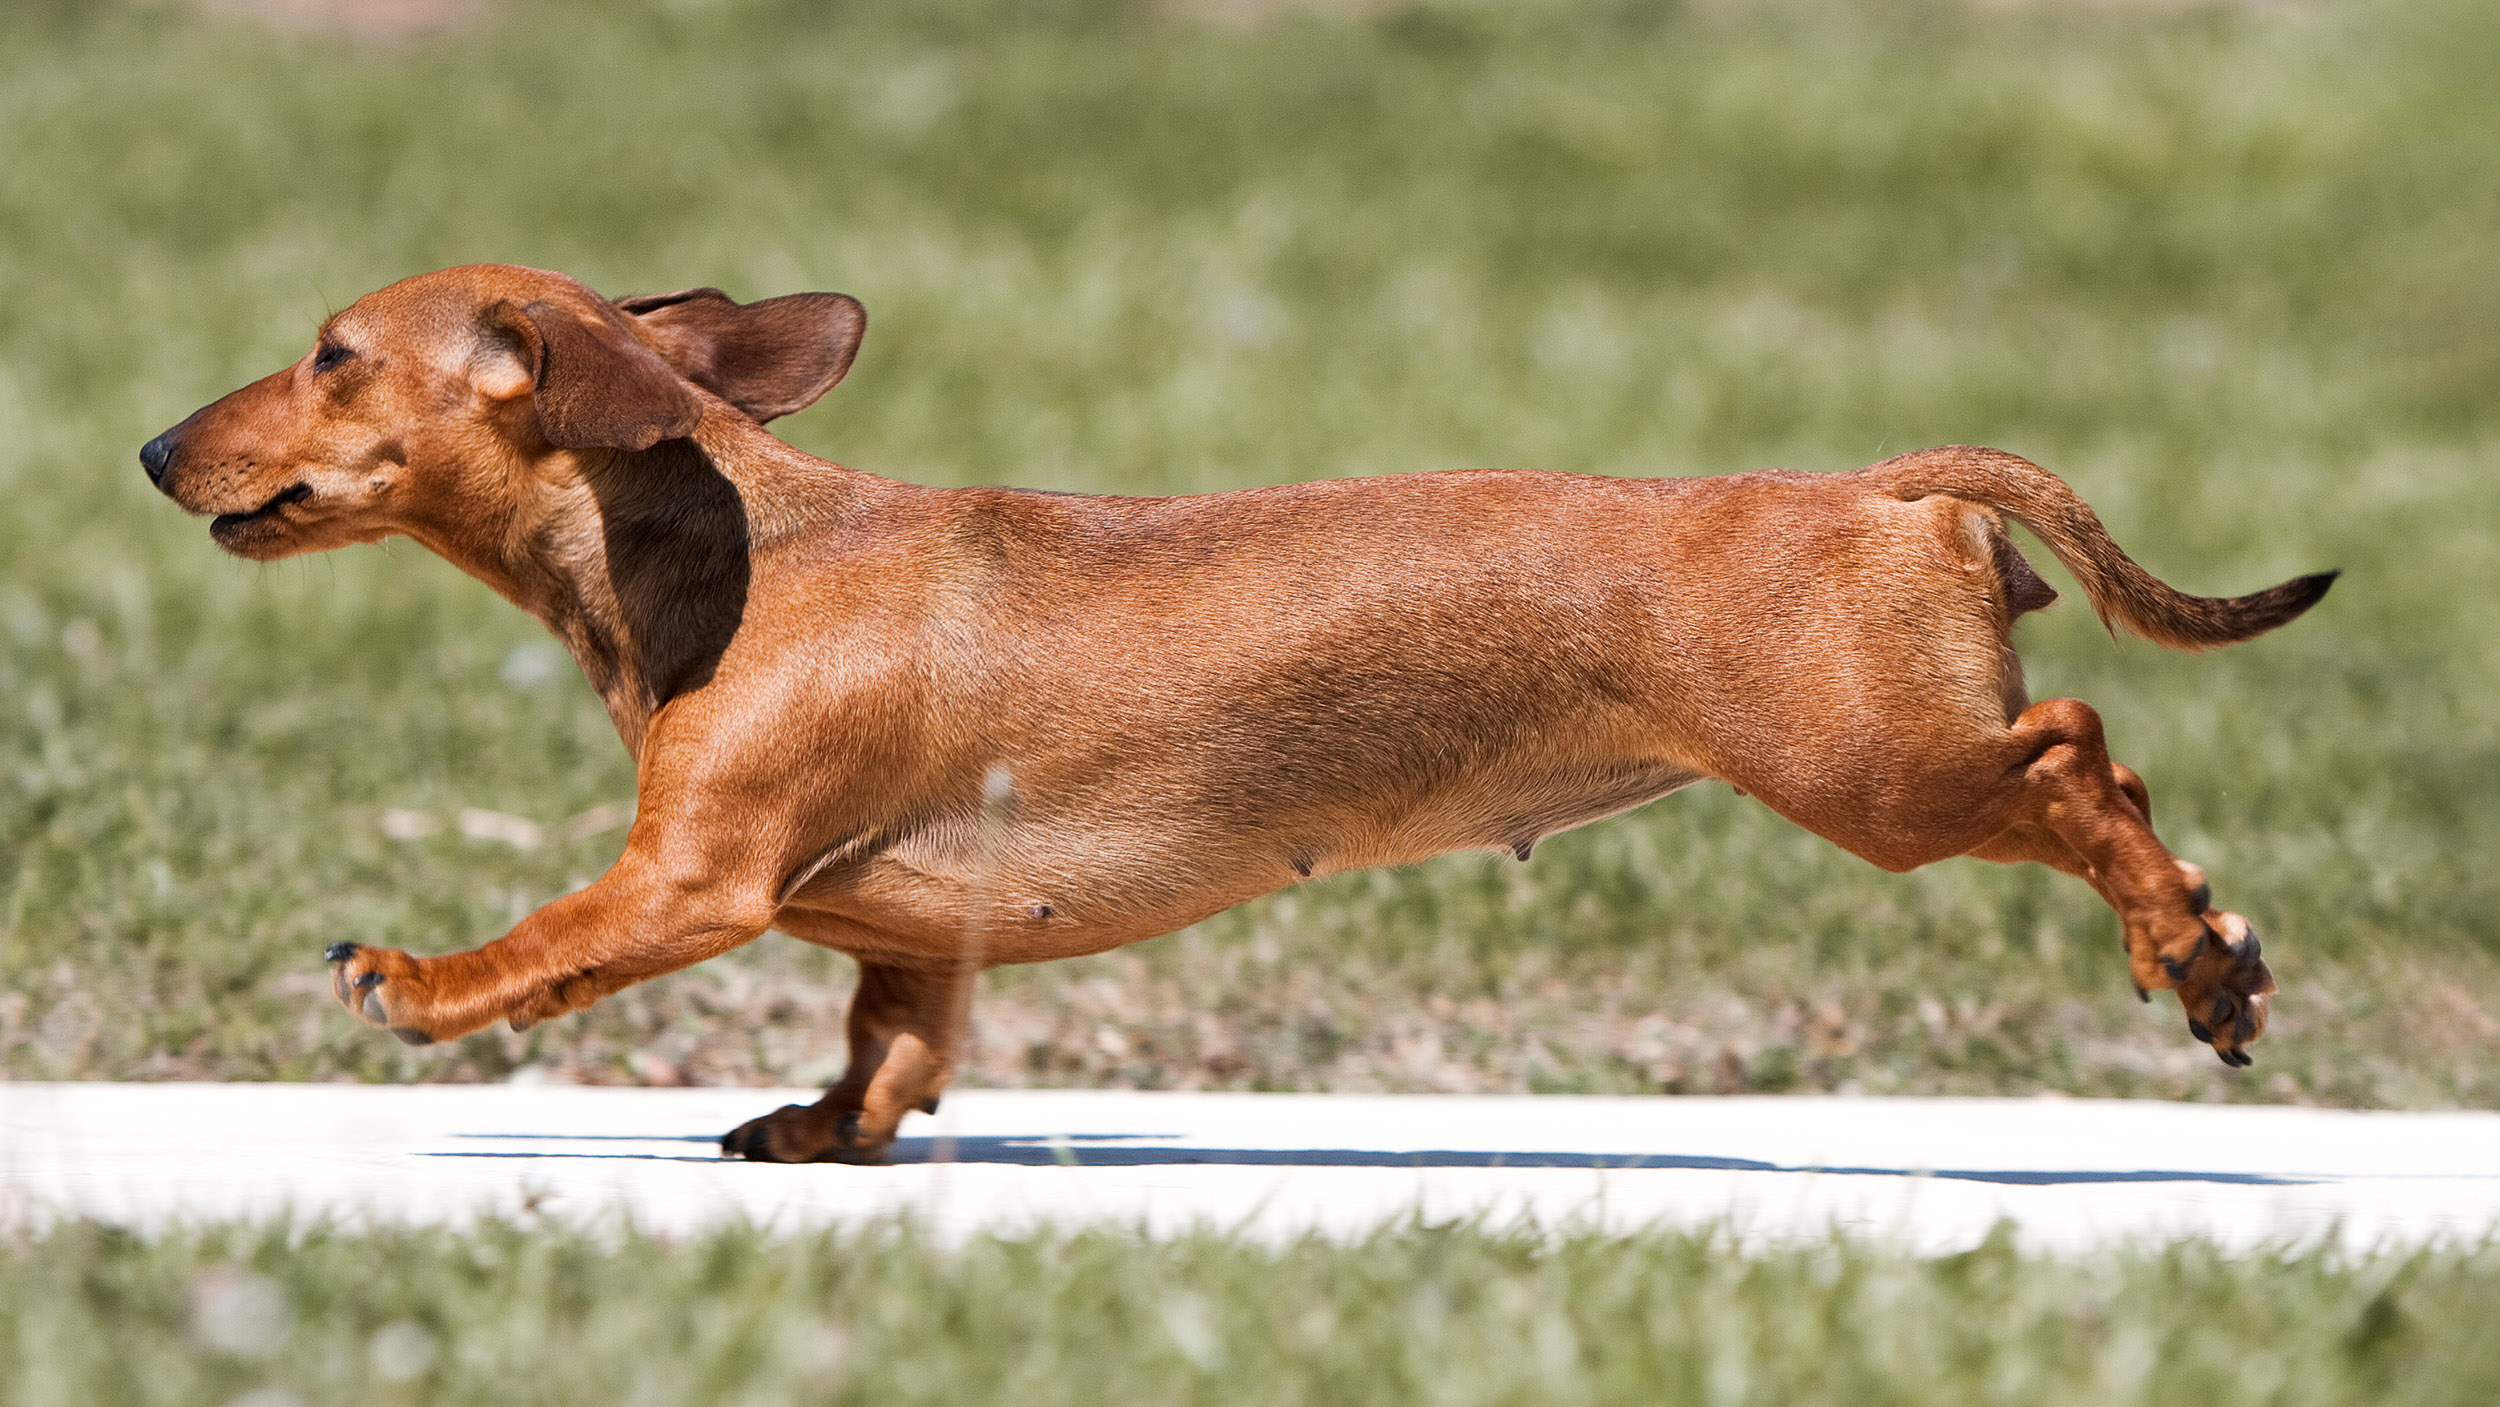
(647, 916)
(906, 1028)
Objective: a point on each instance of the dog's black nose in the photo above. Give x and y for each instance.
(155, 455)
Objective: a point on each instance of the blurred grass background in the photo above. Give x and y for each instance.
(1456, 1315)
(2229, 268)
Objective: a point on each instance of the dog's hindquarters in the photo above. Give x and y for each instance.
(1867, 625)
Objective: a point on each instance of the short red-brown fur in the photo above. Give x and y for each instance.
(1195, 700)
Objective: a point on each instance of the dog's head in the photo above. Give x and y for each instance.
(431, 399)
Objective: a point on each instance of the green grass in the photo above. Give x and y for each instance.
(1453, 1315)
(2226, 267)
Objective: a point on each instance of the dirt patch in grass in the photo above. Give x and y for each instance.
(1209, 1011)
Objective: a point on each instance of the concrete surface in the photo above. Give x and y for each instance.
(1930, 1173)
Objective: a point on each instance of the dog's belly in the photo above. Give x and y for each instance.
(1065, 885)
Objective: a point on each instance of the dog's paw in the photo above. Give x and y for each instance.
(383, 987)
(801, 1133)
(2161, 946)
(2225, 986)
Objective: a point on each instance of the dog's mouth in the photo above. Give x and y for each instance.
(225, 523)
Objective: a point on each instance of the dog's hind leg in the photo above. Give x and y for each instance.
(2066, 804)
(906, 1029)
(2044, 790)
(2028, 842)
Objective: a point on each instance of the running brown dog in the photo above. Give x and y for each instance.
(821, 673)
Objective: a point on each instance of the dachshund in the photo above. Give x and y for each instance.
(944, 729)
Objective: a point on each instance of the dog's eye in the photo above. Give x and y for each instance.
(330, 355)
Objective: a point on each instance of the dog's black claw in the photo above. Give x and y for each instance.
(2201, 898)
(2237, 1059)
(412, 1035)
(369, 980)
(341, 952)
(929, 1105)
(2142, 995)
(2177, 970)
(2202, 1032)
(2250, 952)
(520, 1026)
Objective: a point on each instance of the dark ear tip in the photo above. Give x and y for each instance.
(770, 358)
(653, 302)
(845, 316)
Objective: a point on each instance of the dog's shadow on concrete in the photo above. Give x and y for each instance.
(1083, 1150)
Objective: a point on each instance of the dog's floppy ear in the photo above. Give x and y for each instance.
(595, 385)
(769, 359)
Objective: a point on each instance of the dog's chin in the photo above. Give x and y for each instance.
(263, 534)
(259, 536)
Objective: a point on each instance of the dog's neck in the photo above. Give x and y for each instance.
(640, 561)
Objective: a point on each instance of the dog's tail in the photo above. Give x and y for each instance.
(2122, 592)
